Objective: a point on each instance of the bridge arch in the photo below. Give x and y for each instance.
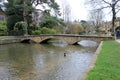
(27, 41)
(48, 39)
(45, 40)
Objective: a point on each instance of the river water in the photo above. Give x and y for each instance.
(44, 62)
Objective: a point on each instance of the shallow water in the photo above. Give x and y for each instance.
(43, 62)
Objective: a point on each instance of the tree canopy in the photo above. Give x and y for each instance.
(21, 10)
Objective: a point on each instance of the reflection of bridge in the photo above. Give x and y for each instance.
(70, 39)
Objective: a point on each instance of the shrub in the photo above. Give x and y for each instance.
(36, 32)
(21, 28)
(45, 30)
(75, 29)
(3, 28)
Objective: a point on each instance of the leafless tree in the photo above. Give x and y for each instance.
(66, 14)
(66, 11)
(114, 5)
(96, 18)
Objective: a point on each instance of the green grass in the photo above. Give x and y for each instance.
(107, 66)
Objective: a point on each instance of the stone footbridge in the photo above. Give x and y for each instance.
(70, 39)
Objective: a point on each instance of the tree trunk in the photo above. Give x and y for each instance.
(113, 20)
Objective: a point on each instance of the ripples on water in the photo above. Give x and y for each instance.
(43, 62)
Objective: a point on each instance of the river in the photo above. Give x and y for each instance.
(44, 62)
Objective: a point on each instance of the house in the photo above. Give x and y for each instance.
(105, 27)
(3, 16)
(117, 22)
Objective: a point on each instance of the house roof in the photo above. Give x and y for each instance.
(2, 12)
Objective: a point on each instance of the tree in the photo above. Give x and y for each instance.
(75, 28)
(1, 4)
(56, 8)
(18, 10)
(96, 18)
(21, 28)
(66, 12)
(21, 10)
(109, 4)
(47, 5)
(53, 23)
(85, 26)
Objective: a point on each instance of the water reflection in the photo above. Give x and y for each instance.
(43, 62)
(56, 42)
(88, 43)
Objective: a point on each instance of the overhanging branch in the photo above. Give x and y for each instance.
(106, 2)
(117, 1)
(103, 7)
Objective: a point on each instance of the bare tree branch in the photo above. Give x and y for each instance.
(106, 2)
(103, 7)
(117, 11)
(117, 1)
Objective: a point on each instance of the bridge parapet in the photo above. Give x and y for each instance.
(70, 39)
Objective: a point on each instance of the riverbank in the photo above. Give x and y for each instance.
(8, 39)
(107, 65)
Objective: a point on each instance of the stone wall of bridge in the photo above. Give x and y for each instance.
(70, 39)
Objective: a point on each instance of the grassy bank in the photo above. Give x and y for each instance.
(7, 37)
(107, 66)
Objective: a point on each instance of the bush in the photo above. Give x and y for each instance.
(21, 28)
(75, 29)
(45, 30)
(36, 32)
(3, 28)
